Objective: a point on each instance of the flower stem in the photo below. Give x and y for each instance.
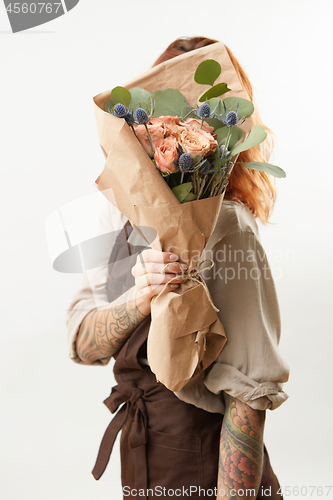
(228, 138)
(149, 138)
(195, 182)
(202, 185)
(209, 182)
(133, 131)
(217, 180)
(188, 114)
(225, 179)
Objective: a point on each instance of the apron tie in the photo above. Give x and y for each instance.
(134, 408)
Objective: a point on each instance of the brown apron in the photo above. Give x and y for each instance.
(166, 444)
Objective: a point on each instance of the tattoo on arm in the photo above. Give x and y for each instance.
(103, 333)
(241, 450)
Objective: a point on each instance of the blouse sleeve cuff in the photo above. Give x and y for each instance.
(258, 395)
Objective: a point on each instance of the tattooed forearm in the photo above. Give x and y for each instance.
(102, 333)
(241, 450)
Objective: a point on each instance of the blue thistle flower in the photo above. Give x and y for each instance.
(185, 162)
(207, 167)
(119, 110)
(141, 116)
(231, 119)
(129, 118)
(204, 111)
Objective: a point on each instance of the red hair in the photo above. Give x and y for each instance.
(250, 187)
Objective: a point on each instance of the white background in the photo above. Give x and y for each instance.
(52, 412)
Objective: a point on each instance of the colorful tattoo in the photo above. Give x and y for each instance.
(241, 448)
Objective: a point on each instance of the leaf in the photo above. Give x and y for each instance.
(108, 106)
(213, 102)
(186, 110)
(189, 197)
(120, 95)
(214, 122)
(236, 135)
(142, 105)
(246, 107)
(182, 191)
(266, 167)
(139, 95)
(207, 72)
(168, 102)
(221, 134)
(256, 136)
(216, 91)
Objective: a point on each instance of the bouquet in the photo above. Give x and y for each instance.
(195, 157)
(168, 165)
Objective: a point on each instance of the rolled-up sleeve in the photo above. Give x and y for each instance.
(93, 292)
(83, 302)
(250, 366)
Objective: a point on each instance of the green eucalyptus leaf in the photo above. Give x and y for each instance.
(216, 91)
(213, 102)
(108, 106)
(246, 107)
(139, 95)
(168, 102)
(256, 136)
(266, 167)
(207, 72)
(189, 197)
(182, 191)
(222, 132)
(120, 95)
(214, 122)
(186, 110)
(142, 105)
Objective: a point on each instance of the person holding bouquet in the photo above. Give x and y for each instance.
(206, 438)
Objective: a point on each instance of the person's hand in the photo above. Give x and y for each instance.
(150, 280)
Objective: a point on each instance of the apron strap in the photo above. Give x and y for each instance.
(135, 409)
(107, 442)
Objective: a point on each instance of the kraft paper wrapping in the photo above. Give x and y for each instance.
(186, 335)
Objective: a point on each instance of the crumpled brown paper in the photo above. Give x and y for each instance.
(186, 335)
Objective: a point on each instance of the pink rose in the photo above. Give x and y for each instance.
(196, 124)
(194, 143)
(213, 142)
(142, 136)
(169, 123)
(156, 133)
(166, 154)
(166, 120)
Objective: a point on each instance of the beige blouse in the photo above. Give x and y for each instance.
(250, 367)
